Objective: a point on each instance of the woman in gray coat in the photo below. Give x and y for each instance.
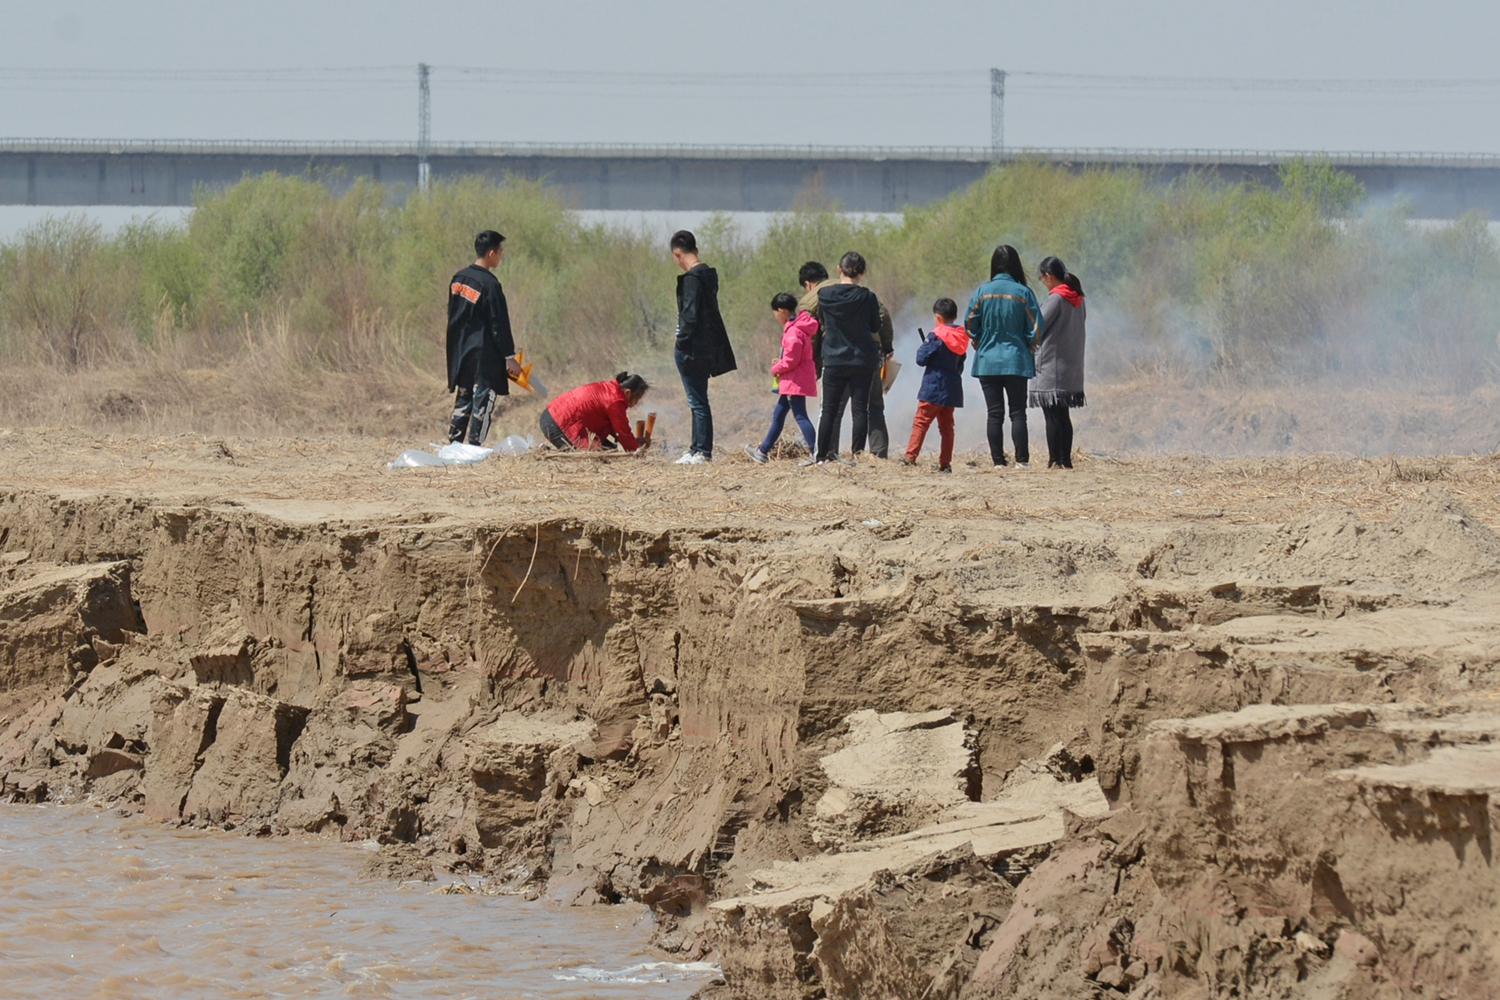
(1058, 384)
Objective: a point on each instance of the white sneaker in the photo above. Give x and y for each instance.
(1023, 465)
(692, 458)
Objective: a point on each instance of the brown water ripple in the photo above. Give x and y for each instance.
(96, 906)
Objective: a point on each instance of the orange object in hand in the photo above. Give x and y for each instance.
(521, 378)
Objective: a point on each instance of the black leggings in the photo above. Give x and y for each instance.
(553, 433)
(840, 386)
(879, 436)
(1059, 436)
(996, 390)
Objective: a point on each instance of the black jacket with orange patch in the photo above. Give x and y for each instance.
(479, 321)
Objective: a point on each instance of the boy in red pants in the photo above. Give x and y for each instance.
(942, 354)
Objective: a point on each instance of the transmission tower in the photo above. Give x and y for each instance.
(997, 112)
(424, 125)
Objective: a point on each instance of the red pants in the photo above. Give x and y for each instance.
(926, 414)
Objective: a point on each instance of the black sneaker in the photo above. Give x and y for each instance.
(945, 468)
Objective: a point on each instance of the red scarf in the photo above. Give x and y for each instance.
(1074, 299)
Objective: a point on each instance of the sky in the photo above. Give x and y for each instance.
(876, 73)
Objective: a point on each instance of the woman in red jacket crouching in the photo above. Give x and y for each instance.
(593, 415)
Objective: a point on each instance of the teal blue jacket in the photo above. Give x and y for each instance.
(1003, 319)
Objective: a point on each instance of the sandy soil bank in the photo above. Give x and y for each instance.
(1167, 727)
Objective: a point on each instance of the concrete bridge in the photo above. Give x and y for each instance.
(689, 178)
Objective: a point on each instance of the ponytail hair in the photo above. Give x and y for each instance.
(1005, 260)
(1057, 269)
(632, 383)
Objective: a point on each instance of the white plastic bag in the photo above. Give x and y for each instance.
(414, 458)
(459, 453)
(515, 445)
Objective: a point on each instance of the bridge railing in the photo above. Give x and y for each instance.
(972, 154)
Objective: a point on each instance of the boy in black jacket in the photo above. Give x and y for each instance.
(480, 348)
(703, 350)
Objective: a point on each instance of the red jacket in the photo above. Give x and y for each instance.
(596, 409)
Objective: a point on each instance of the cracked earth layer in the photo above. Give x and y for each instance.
(850, 756)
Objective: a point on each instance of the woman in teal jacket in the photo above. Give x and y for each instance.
(1002, 319)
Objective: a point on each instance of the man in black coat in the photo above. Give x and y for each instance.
(480, 348)
(703, 350)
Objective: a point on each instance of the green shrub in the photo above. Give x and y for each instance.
(164, 280)
(54, 291)
(1240, 280)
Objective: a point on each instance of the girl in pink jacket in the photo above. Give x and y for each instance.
(796, 374)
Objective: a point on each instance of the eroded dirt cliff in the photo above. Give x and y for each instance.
(853, 756)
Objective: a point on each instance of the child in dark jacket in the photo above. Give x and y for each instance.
(942, 354)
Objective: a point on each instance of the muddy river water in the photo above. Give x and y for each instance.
(93, 905)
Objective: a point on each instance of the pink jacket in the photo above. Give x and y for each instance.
(798, 376)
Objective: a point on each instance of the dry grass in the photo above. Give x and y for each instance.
(247, 397)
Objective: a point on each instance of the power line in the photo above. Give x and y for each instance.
(739, 88)
(364, 75)
(1102, 81)
(202, 75)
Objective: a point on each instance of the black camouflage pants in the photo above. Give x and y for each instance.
(874, 423)
(473, 404)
